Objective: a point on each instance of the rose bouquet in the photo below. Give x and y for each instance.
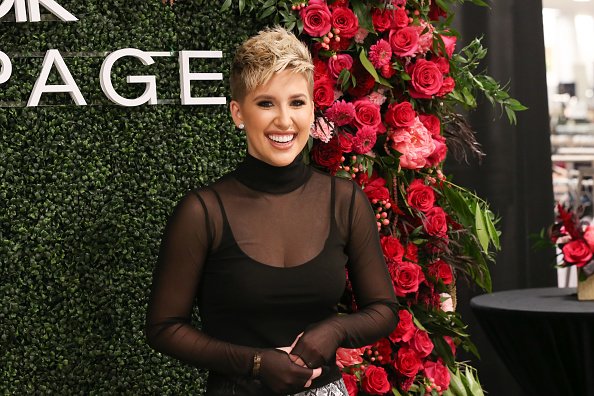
(388, 86)
(574, 239)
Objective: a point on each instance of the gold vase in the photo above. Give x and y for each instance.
(585, 288)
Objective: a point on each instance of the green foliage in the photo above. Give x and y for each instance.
(85, 192)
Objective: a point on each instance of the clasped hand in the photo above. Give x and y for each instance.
(308, 355)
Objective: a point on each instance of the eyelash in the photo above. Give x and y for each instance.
(268, 104)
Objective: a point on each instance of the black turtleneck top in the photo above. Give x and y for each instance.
(263, 252)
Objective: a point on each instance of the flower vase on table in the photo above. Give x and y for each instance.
(585, 285)
(574, 239)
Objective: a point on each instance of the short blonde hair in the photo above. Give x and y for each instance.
(270, 51)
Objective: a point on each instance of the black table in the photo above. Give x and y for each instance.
(544, 336)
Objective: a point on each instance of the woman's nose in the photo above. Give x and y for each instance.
(283, 119)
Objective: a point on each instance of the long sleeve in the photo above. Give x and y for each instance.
(176, 279)
(372, 287)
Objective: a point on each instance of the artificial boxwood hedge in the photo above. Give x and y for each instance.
(85, 192)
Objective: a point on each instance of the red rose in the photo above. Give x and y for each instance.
(439, 372)
(381, 19)
(392, 248)
(405, 330)
(407, 362)
(450, 44)
(405, 41)
(387, 71)
(400, 114)
(438, 155)
(339, 3)
(421, 343)
(346, 21)
(327, 154)
(432, 124)
(412, 253)
(323, 94)
(351, 384)
(345, 142)
(441, 270)
(367, 114)
(400, 18)
(436, 222)
(375, 380)
(419, 196)
(435, 12)
(320, 69)
(426, 79)
(365, 82)
(451, 343)
(406, 277)
(338, 63)
(316, 18)
(577, 252)
(376, 189)
(448, 86)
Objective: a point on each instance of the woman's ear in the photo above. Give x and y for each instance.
(235, 109)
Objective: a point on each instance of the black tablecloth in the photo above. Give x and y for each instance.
(544, 336)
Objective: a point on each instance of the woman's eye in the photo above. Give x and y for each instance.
(265, 103)
(298, 103)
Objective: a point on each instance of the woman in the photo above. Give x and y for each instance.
(264, 249)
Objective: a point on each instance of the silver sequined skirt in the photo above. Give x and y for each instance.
(336, 388)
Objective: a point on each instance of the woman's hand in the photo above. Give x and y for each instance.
(281, 375)
(317, 345)
(316, 372)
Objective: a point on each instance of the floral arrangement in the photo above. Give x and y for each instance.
(388, 86)
(574, 239)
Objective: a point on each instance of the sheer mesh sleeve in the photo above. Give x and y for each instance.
(374, 293)
(184, 247)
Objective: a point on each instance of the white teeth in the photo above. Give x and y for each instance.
(281, 138)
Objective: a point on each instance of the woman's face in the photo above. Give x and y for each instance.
(277, 118)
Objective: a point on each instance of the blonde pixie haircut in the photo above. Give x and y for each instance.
(270, 51)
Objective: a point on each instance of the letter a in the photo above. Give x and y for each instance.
(53, 57)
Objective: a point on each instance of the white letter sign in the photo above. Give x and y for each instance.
(20, 12)
(6, 69)
(51, 6)
(186, 77)
(150, 93)
(53, 57)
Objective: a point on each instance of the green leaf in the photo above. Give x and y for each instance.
(395, 392)
(241, 6)
(226, 5)
(267, 12)
(268, 3)
(493, 233)
(367, 65)
(481, 228)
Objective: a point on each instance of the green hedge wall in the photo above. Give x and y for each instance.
(85, 192)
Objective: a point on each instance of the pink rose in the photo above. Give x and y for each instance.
(404, 42)
(419, 196)
(346, 21)
(375, 380)
(447, 305)
(407, 362)
(435, 222)
(400, 114)
(450, 44)
(338, 63)
(426, 79)
(451, 343)
(421, 343)
(589, 236)
(351, 384)
(316, 18)
(405, 330)
(577, 252)
(406, 277)
(439, 372)
(348, 357)
(414, 143)
(322, 129)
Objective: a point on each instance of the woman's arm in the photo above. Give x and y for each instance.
(372, 287)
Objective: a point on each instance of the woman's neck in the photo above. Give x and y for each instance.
(261, 176)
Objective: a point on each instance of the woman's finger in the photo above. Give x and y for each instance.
(315, 374)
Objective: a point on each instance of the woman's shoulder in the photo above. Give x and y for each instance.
(344, 186)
